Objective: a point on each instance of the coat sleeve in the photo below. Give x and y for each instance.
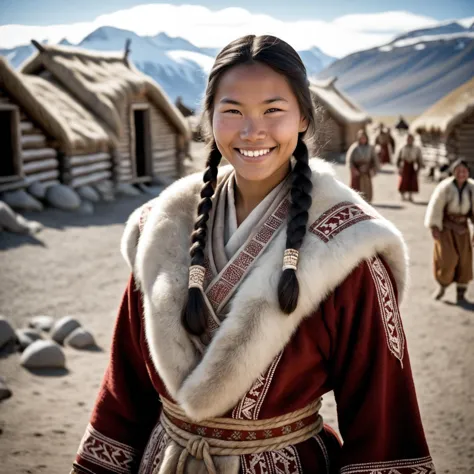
(127, 406)
(435, 210)
(378, 413)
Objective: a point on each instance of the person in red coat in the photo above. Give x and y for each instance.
(409, 163)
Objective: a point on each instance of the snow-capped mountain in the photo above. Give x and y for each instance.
(179, 66)
(410, 73)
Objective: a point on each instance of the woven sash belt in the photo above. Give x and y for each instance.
(456, 222)
(229, 437)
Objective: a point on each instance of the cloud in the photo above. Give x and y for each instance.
(384, 22)
(205, 27)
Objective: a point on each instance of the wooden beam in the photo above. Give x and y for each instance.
(38, 154)
(42, 165)
(88, 159)
(91, 178)
(38, 46)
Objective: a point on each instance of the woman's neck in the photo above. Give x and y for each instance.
(249, 194)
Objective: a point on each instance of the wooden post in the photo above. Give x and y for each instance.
(128, 41)
(38, 46)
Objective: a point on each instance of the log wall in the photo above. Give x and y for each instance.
(165, 153)
(39, 157)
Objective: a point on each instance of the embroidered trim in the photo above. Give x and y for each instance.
(323, 449)
(403, 466)
(143, 217)
(335, 220)
(392, 322)
(154, 450)
(107, 452)
(284, 461)
(250, 405)
(219, 291)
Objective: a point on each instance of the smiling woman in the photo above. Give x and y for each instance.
(221, 353)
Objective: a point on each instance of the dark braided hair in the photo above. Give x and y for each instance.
(283, 59)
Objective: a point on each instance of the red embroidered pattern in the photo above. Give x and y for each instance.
(404, 466)
(284, 461)
(250, 405)
(241, 435)
(154, 450)
(107, 452)
(143, 217)
(336, 219)
(221, 289)
(388, 308)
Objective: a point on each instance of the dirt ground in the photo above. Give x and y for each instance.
(74, 268)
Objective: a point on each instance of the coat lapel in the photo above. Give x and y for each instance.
(344, 231)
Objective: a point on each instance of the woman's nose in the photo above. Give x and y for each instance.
(253, 130)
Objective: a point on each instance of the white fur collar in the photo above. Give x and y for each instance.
(255, 329)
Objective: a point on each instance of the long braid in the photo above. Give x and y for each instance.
(194, 314)
(288, 286)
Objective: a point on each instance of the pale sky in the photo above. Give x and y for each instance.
(207, 26)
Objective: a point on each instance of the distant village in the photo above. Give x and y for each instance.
(78, 126)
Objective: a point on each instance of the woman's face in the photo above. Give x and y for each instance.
(256, 121)
(363, 140)
(461, 173)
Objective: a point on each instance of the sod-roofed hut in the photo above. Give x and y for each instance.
(339, 117)
(46, 135)
(150, 135)
(446, 129)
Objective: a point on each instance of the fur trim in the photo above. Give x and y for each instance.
(255, 329)
(435, 209)
(444, 195)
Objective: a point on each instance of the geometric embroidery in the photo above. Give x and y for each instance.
(250, 405)
(107, 453)
(406, 466)
(154, 450)
(143, 217)
(335, 220)
(284, 461)
(222, 288)
(388, 308)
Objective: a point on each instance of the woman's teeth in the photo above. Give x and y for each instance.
(253, 153)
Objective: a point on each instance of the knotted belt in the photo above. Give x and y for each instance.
(227, 437)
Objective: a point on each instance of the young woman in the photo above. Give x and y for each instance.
(450, 207)
(221, 353)
(409, 164)
(363, 164)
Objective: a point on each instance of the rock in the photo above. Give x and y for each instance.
(127, 189)
(105, 189)
(89, 193)
(86, 208)
(42, 322)
(7, 334)
(13, 222)
(37, 190)
(62, 328)
(27, 337)
(21, 200)
(80, 338)
(5, 392)
(43, 355)
(63, 197)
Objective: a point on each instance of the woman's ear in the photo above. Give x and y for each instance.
(303, 125)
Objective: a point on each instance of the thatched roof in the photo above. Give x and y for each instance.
(55, 111)
(447, 112)
(337, 103)
(102, 82)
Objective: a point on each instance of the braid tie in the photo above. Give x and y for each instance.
(194, 315)
(288, 286)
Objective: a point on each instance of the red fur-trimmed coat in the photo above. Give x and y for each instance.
(345, 335)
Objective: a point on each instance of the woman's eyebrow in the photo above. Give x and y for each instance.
(226, 100)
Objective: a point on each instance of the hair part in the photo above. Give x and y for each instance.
(283, 59)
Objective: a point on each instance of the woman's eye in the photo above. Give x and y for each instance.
(272, 110)
(232, 111)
